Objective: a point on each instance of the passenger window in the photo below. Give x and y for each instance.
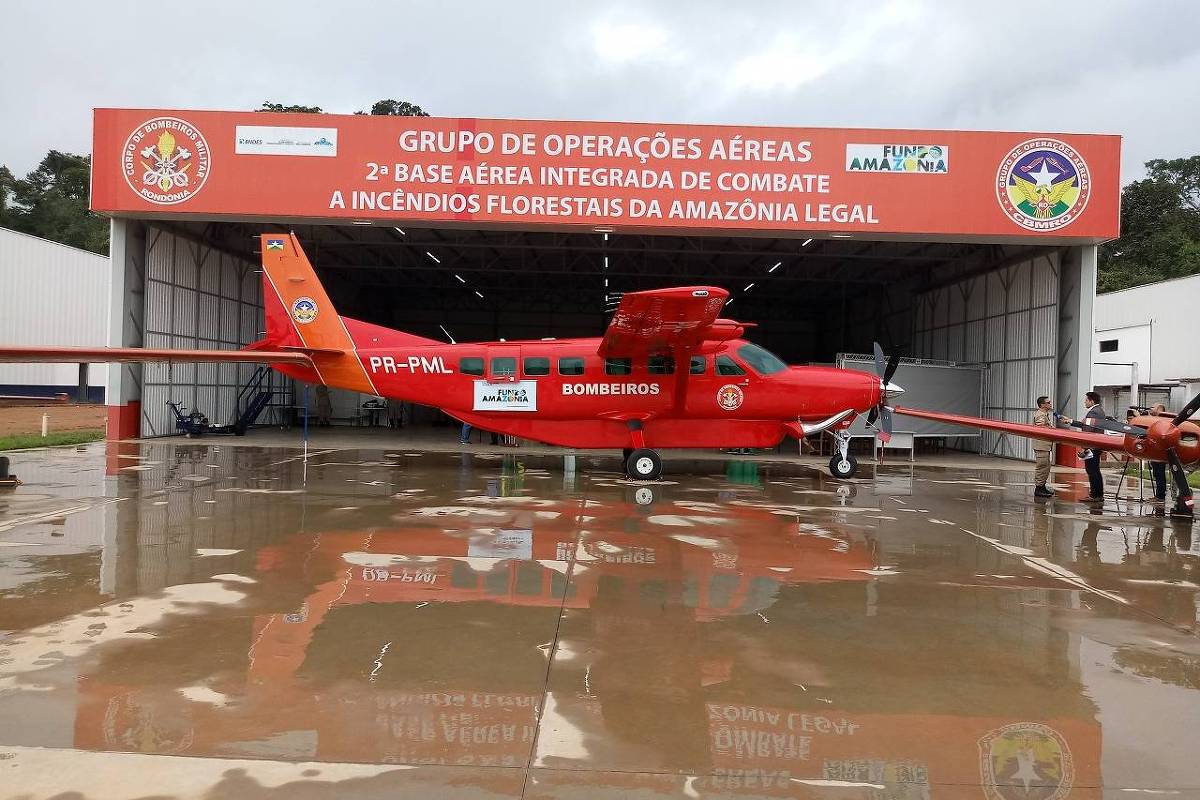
(504, 367)
(537, 366)
(661, 365)
(471, 366)
(618, 366)
(570, 365)
(699, 365)
(727, 366)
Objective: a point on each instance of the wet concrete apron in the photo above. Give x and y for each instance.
(191, 621)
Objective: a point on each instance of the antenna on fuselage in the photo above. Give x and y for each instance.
(448, 336)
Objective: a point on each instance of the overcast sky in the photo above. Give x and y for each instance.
(1092, 66)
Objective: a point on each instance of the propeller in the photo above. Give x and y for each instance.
(1188, 411)
(885, 368)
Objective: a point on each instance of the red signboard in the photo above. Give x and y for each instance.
(604, 175)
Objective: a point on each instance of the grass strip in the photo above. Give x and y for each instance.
(27, 440)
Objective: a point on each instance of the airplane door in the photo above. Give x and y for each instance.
(720, 387)
(505, 390)
(503, 363)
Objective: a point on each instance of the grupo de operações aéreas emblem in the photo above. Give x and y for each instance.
(1043, 184)
(166, 160)
(304, 310)
(729, 397)
(1025, 760)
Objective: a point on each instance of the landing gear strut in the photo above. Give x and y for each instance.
(641, 463)
(842, 465)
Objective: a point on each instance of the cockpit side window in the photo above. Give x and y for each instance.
(761, 360)
(727, 366)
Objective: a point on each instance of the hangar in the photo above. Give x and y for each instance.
(953, 246)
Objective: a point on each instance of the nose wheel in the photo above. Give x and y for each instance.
(842, 465)
(643, 464)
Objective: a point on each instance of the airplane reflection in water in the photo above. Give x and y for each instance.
(754, 631)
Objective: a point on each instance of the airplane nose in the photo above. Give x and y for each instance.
(893, 390)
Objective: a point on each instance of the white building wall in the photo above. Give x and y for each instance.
(1154, 325)
(52, 295)
(1008, 320)
(198, 298)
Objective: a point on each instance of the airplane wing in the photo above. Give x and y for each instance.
(663, 320)
(1100, 441)
(100, 355)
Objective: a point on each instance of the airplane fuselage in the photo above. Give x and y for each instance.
(562, 392)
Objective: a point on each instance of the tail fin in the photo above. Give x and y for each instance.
(300, 316)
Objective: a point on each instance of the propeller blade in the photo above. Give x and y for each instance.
(1182, 489)
(885, 429)
(879, 359)
(892, 365)
(873, 415)
(1112, 426)
(1183, 416)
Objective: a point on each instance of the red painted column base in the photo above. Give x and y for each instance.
(124, 422)
(1067, 455)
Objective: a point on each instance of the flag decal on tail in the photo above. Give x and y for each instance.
(274, 244)
(304, 310)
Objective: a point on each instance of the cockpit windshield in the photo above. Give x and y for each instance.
(761, 360)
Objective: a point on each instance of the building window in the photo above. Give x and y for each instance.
(504, 367)
(727, 366)
(618, 366)
(471, 366)
(661, 365)
(570, 365)
(537, 366)
(1109, 345)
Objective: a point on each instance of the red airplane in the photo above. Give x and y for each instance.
(668, 372)
(1172, 439)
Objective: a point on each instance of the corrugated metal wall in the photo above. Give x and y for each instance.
(197, 298)
(1007, 319)
(54, 295)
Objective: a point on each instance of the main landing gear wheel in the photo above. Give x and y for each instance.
(843, 466)
(643, 464)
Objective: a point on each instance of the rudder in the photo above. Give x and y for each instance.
(300, 316)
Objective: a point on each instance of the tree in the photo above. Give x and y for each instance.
(280, 108)
(7, 182)
(395, 108)
(52, 202)
(1160, 227)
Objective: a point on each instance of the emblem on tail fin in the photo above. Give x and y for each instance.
(304, 310)
(274, 244)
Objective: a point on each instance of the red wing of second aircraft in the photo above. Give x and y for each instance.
(1102, 441)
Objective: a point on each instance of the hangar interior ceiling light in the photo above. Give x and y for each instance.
(436, 260)
(479, 294)
(361, 222)
(841, 236)
(749, 286)
(400, 231)
(806, 242)
(778, 264)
